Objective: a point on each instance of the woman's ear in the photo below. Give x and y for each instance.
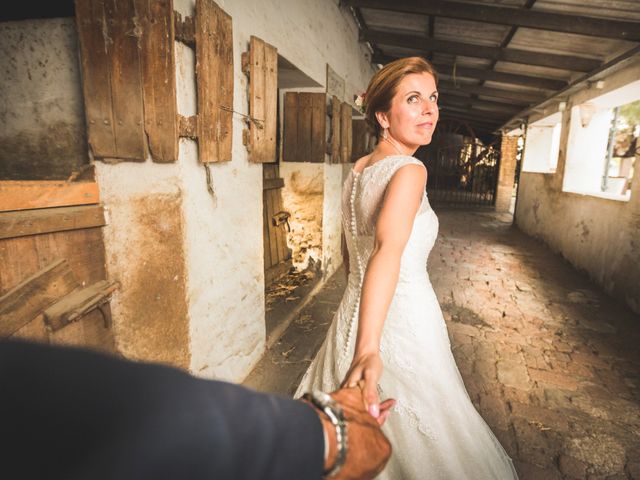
(382, 120)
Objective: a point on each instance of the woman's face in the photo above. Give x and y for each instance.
(414, 111)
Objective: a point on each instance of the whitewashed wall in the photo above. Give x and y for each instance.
(222, 235)
(597, 235)
(191, 263)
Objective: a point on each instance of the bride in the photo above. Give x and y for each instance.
(389, 315)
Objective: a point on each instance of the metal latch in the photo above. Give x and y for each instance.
(280, 218)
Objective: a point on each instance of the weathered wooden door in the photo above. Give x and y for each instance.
(277, 255)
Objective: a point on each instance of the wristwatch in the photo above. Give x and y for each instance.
(326, 404)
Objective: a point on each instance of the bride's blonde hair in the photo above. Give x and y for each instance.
(384, 84)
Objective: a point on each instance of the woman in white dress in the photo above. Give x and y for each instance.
(389, 315)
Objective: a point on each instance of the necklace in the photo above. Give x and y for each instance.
(393, 144)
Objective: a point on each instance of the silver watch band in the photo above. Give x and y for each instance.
(333, 411)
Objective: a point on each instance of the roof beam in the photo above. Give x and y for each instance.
(481, 74)
(473, 114)
(512, 97)
(556, 22)
(487, 126)
(425, 45)
(447, 100)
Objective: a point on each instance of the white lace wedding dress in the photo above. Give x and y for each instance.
(435, 431)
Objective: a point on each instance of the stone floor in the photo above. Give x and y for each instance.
(551, 362)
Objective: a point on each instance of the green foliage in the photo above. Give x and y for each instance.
(631, 112)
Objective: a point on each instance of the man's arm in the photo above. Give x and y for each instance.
(69, 413)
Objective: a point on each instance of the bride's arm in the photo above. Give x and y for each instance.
(393, 228)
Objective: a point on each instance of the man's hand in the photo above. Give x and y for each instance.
(368, 448)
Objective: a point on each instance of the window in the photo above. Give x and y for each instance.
(542, 145)
(603, 144)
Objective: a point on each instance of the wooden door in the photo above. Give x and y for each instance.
(277, 255)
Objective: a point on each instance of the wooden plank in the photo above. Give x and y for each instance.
(275, 229)
(270, 103)
(77, 304)
(471, 102)
(346, 134)
(557, 22)
(112, 80)
(157, 54)
(336, 133)
(424, 45)
(360, 139)
(290, 127)
(265, 230)
(517, 95)
(214, 73)
(318, 127)
(257, 128)
(305, 126)
(26, 195)
(126, 80)
(263, 101)
(273, 241)
(96, 77)
(26, 300)
(271, 183)
(282, 230)
(32, 222)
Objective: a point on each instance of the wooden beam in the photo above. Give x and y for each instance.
(483, 74)
(520, 97)
(26, 300)
(486, 124)
(45, 220)
(425, 45)
(77, 304)
(27, 195)
(556, 22)
(447, 100)
(471, 113)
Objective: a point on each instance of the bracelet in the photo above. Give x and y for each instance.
(331, 409)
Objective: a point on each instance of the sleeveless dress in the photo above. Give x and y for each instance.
(435, 430)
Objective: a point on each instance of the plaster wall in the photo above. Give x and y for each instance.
(598, 235)
(42, 128)
(303, 196)
(332, 219)
(223, 235)
(191, 262)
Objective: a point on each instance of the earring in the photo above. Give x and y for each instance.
(384, 134)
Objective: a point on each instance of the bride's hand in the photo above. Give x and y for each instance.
(367, 369)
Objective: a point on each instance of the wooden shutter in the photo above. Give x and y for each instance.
(345, 133)
(336, 134)
(128, 71)
(214, 73)
(305, 127)
(361, 139)
(261, 64)
(157, 52)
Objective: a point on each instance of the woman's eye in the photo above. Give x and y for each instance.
(413, 99)
(433, 98)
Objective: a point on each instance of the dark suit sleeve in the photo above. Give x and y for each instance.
(73, 414)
